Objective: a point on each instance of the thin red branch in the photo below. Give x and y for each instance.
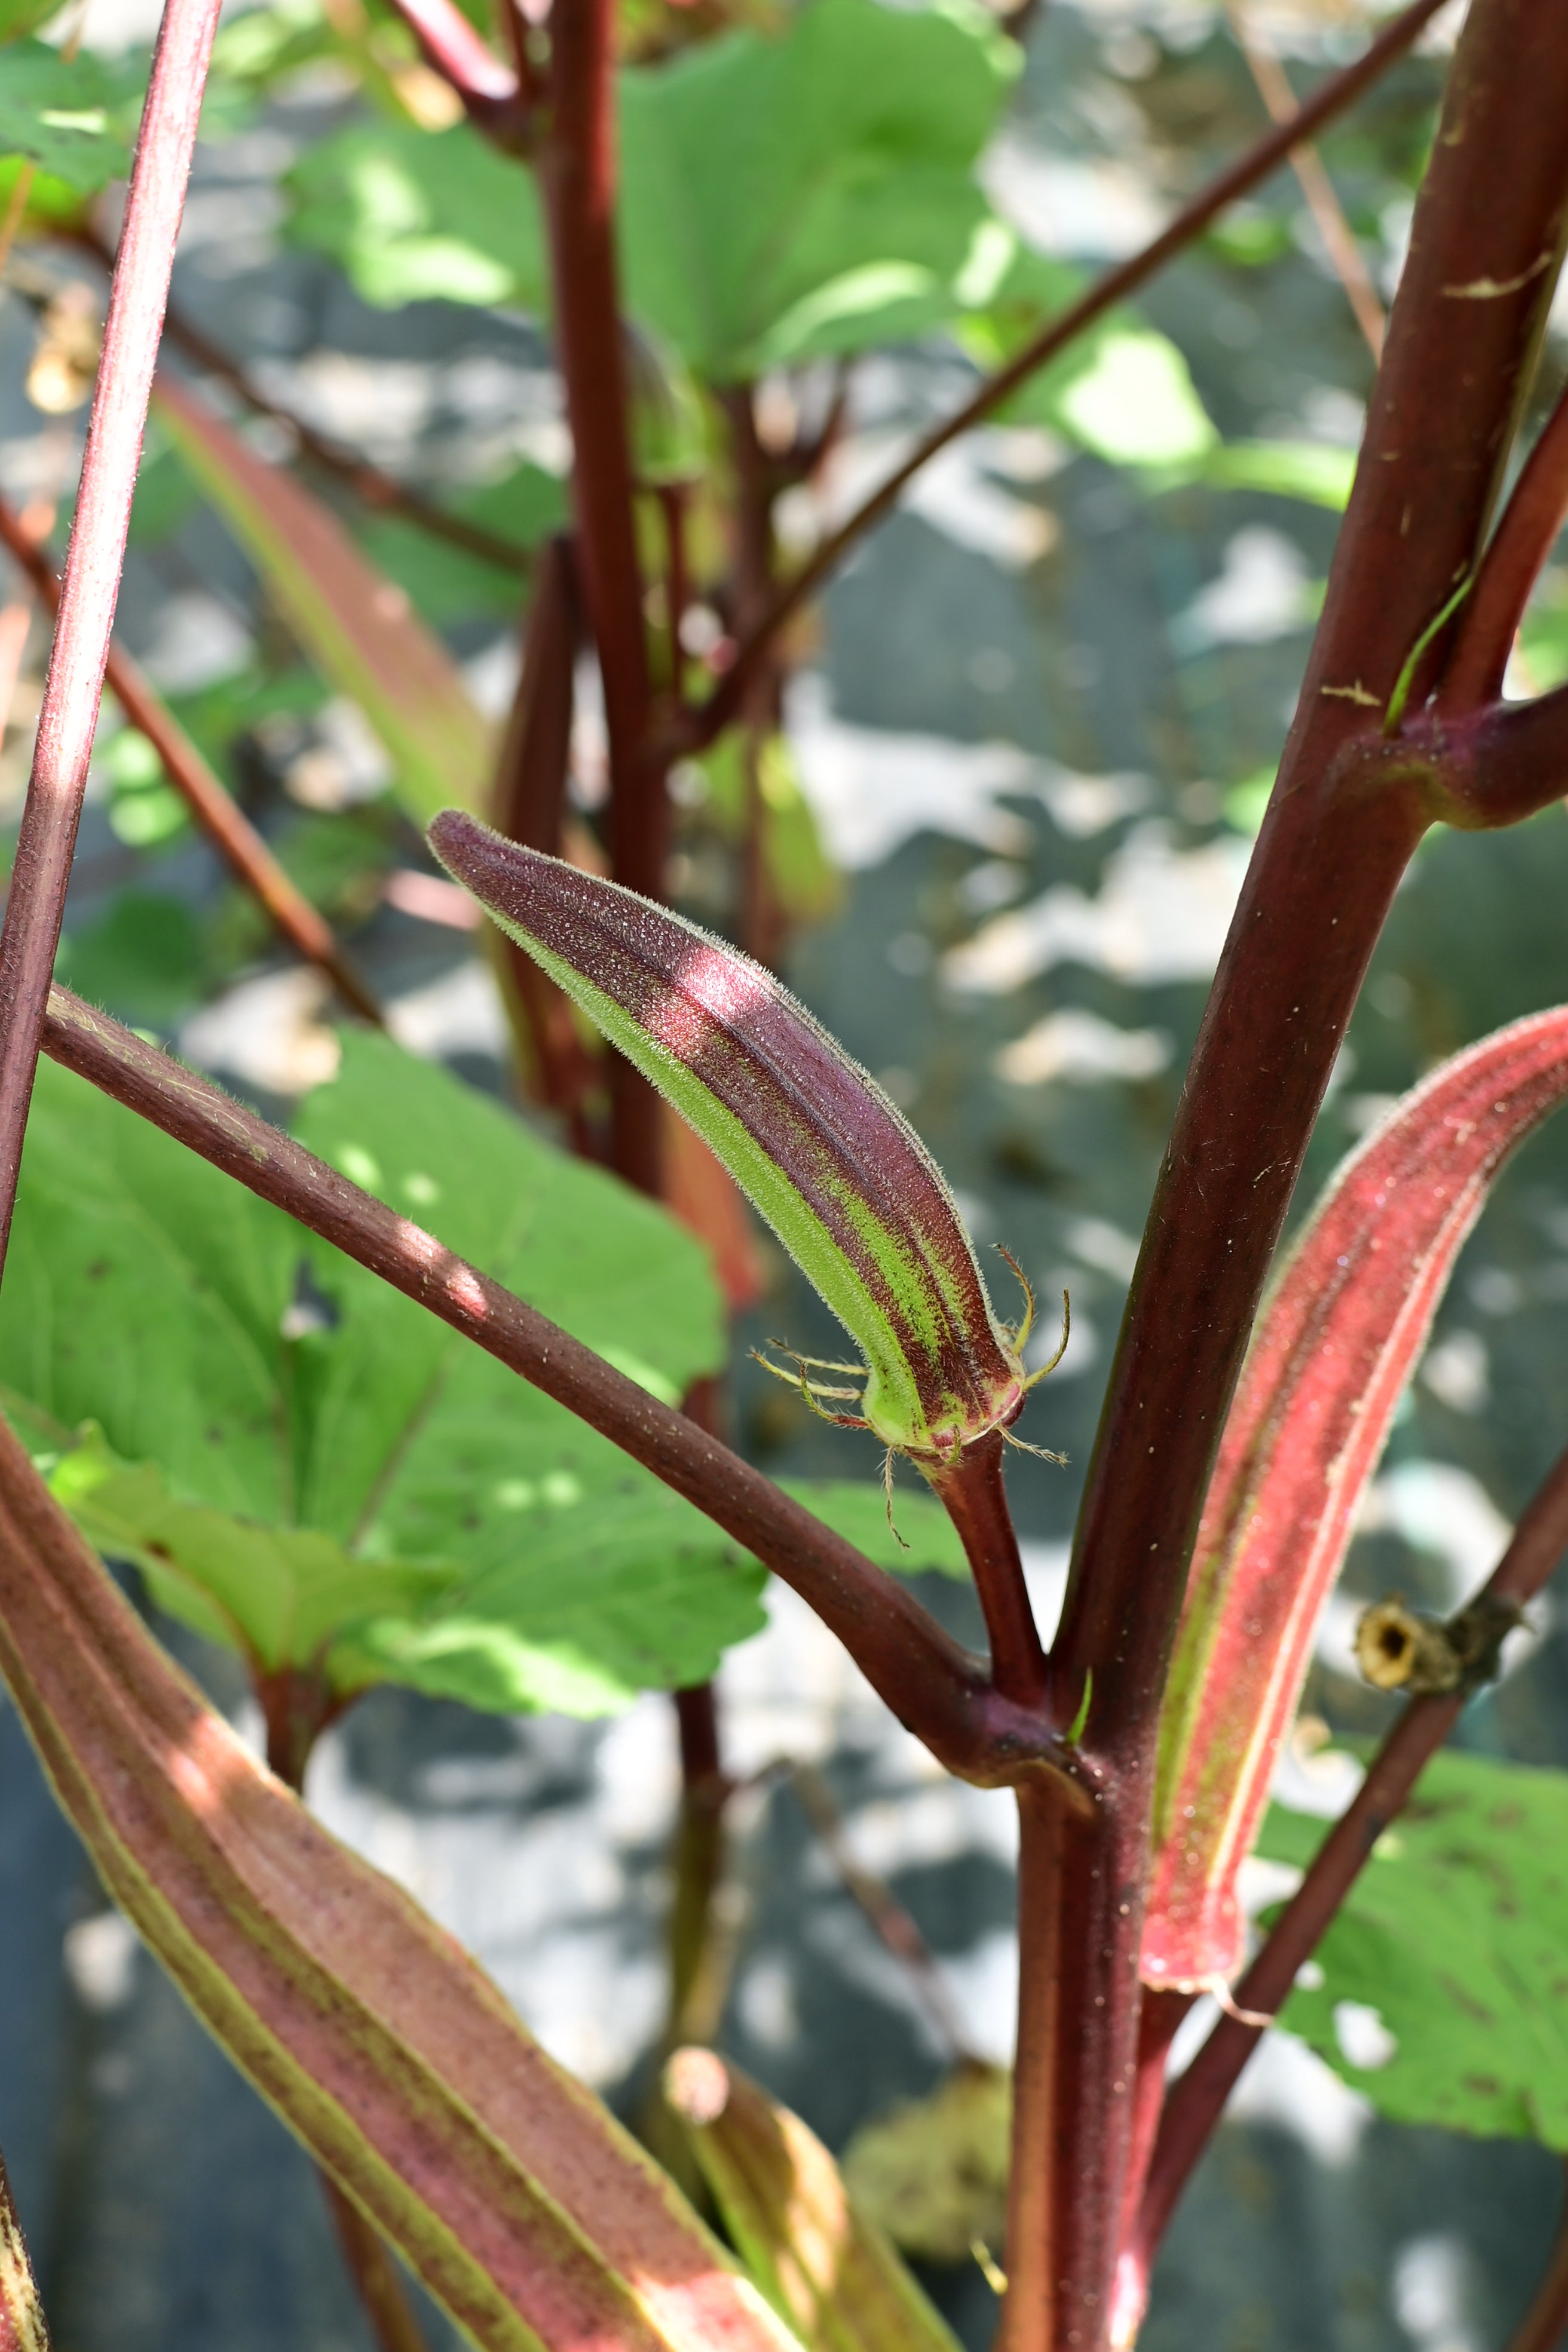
(492, 96)
(1195, 2103)
(375, 2274)
(696, 1987)
(226, 825)
(894, 1928)
(22, 2325)
(370, 485)
(1512, 562)
(699, 726)
(972, 1490)
(1327, 213)
(53, 812)
(935, 1688)
(1546, 2324)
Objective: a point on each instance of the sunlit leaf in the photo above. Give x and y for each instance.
(1440, 1991)
(782, 195)
(343, 1430)
(1134, 403)
(1316, 473)
(919, 1535)
(280, 1595)
(76, 117)
(416, 215)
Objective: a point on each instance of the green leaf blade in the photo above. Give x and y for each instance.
(1450, 1948)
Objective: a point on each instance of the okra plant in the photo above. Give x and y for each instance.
(398, 1396)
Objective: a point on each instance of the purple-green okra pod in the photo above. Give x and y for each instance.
(834, 1168)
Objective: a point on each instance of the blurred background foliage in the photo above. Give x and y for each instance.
(1004, 800)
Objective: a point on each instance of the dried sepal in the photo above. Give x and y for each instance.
(834, 1168)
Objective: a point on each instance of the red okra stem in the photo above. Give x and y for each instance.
(1336, 839)
(53, 810)
(578, 176)
(974, 1491)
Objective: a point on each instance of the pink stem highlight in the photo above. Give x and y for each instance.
(36, 906)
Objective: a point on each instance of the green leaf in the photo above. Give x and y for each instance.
(1135, 403)
(19, 17)
(1122, 390)
(858, 1510)
(416, 215)
(408, 1506)
(804, 878)
(447, 583)
(812, 191)
(933, 2174)
(782, 195)
(280, 1595)
(1543, 632)
(75, 117)
(142, 959)
(1314, 472)
(1454, 1937)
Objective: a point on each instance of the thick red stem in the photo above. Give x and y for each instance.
(1198, 2099)
(70, 714)
(701, 726)
(934, 1687)
(230, 832)
(1073, 2086)
(1340, 830)
(578, 172)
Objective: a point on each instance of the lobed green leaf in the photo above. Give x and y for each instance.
(1451, 1947)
